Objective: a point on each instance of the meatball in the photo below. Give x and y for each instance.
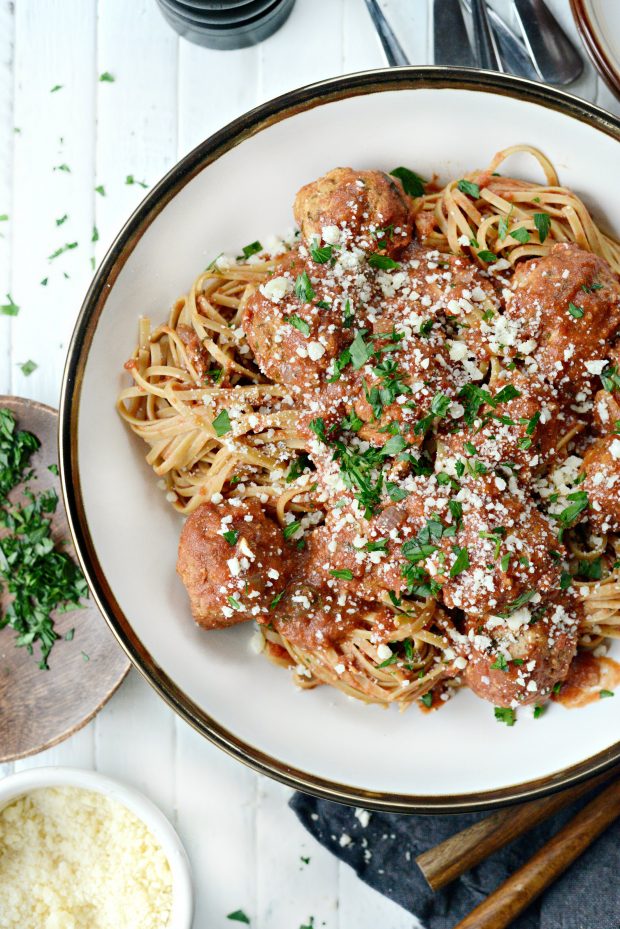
(368, 209)
(601, 466)
(296, 332)
(517, 660)
(401, 388)
(524, 433)
(501, 551)
(569, 303)
(234, 577)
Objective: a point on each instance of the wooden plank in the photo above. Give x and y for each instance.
(214, 88)
(361, 49)
(135, 741)
(308, 48)
(290, 891)
(56, 131)
(215, 815)
(7, 26)
(215, 796)
(136, 112)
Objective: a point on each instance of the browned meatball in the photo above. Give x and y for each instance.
(569, 303)
(519, 660)
(296, 333)
(524, 433)
(400, 388)
(601, 465)
(507, 543)
(368, 209)
(232, 578)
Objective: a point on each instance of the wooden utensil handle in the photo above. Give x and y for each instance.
(464, 850)
(515, 895)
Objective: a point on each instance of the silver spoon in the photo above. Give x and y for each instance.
(391, 46)
(554, 55)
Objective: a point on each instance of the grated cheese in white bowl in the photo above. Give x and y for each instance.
(75, 859)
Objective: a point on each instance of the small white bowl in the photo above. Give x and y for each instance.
(24, 782)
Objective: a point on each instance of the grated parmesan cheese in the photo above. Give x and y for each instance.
(75, 859)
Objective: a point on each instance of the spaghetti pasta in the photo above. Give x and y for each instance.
(220, 427)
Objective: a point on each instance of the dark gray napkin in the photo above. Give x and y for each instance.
(382, 848)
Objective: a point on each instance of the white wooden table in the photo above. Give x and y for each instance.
(56, 149)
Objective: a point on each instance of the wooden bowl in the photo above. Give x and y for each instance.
(39, 708)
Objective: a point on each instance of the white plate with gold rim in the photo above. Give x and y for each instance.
(235, 187)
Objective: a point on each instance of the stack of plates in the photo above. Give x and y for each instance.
(225, 24)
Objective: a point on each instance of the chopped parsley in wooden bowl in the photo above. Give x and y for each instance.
(59, 662)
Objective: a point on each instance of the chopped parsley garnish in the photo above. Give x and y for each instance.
(538, 710)
(439, 408)
(239, 917)
(222, 423)
(474, 397)
(291, 528)
(40, 578)
(62, 219)
(27, 367)
(298, 323)
(10, 308)
(297, 467)
(426, 328)
(461, 562)
(469, 188)
(320, 253)
(106, 78)
(570, 513)
(591, 570)
(324, 305)
(276, 600)
(517, 603)
(349, 315)
(56, 87)
(234, 603)
(383, 262)
(505, 714)
(360, 352)
(542, 221)
(303, 288)
(67, 247)
(100, 189)
(565, 580)
(591, 288)
(413, 184)
(95, 235)
(504, 562)
(610, 378)
(575, 311)
(252, 249)
(487, 256)
(318, 427)
(215, 374)
(395, 492)
(343, 574)
(521, 235)
(231, 536)
(500, 663)
(130, 181)
(427, 700)
(606, 693)
(63, 167)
